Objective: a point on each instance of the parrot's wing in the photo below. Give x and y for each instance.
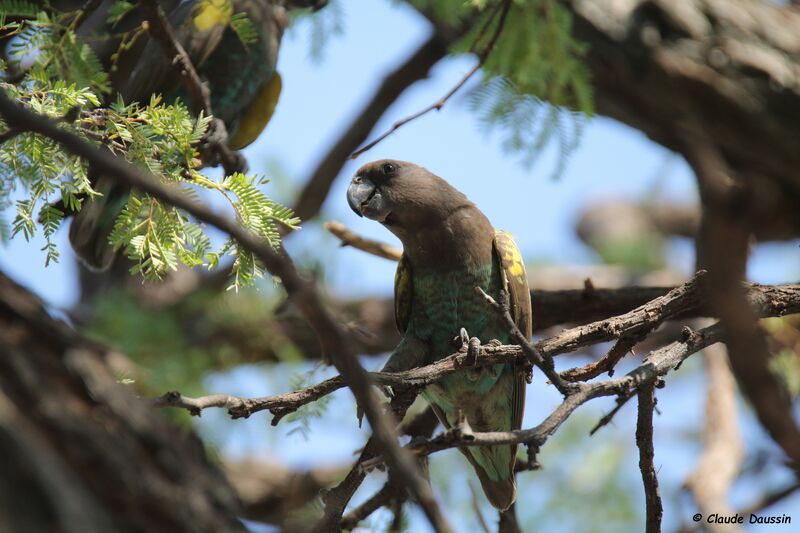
(402, 294)
(198, 26)
(515, 283)
(257, 116)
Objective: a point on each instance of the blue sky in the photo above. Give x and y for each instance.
(320, 98)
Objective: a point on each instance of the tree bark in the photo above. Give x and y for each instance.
(732, 67)
(79, 452)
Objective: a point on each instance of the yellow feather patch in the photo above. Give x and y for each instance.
(210, 13)
(512, 258)
(257, 115)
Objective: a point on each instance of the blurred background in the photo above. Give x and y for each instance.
(619, 209)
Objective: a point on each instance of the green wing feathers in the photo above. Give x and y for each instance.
(402, 294)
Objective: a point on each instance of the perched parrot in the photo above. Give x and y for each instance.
(243, 82)
(450, 248)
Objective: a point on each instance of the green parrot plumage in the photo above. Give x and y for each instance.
(242, 79)
(450, 247)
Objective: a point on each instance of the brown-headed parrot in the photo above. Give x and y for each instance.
(243, 82)
(450, 248)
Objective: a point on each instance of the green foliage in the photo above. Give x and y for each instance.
(63, 79)
(119, 9)
(535, 88)
(18, 8)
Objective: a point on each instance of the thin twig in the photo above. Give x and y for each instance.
(644, 441)
(383, 497)
(440, 103)
(605, 363)
(413, 69)
(358, 242)
(534, 355)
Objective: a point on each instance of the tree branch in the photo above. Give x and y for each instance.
(657, 364)
(370, 246)
(216, 137)
(504, 9)
(301, 292)
(722, 247)
(778, 301)
(644, 441)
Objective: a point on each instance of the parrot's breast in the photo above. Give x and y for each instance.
(446, 301)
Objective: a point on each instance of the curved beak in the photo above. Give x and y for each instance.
(359, 193)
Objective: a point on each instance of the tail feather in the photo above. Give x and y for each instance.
(502, 493)
(500, 485)
(500, 488)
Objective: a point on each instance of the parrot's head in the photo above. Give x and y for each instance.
(402, 196)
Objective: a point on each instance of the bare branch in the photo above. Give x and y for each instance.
(644, 441)
(778, 302)
(534, 356)
(370, 246)
(505, 7)
(337, 498)
(383, 497)
(161, 30)
(657, 364)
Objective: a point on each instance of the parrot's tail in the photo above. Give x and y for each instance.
(493, 464)
(501, 493)
(92, 225)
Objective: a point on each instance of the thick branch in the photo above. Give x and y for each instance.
(80, 452)
(722, 247)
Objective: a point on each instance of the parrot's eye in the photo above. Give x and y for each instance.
(388, 168)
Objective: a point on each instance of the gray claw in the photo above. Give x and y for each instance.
(473, 349)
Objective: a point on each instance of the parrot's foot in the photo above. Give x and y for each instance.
(472, 345)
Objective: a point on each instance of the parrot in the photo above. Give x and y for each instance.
(242, 79)
(449, 249)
